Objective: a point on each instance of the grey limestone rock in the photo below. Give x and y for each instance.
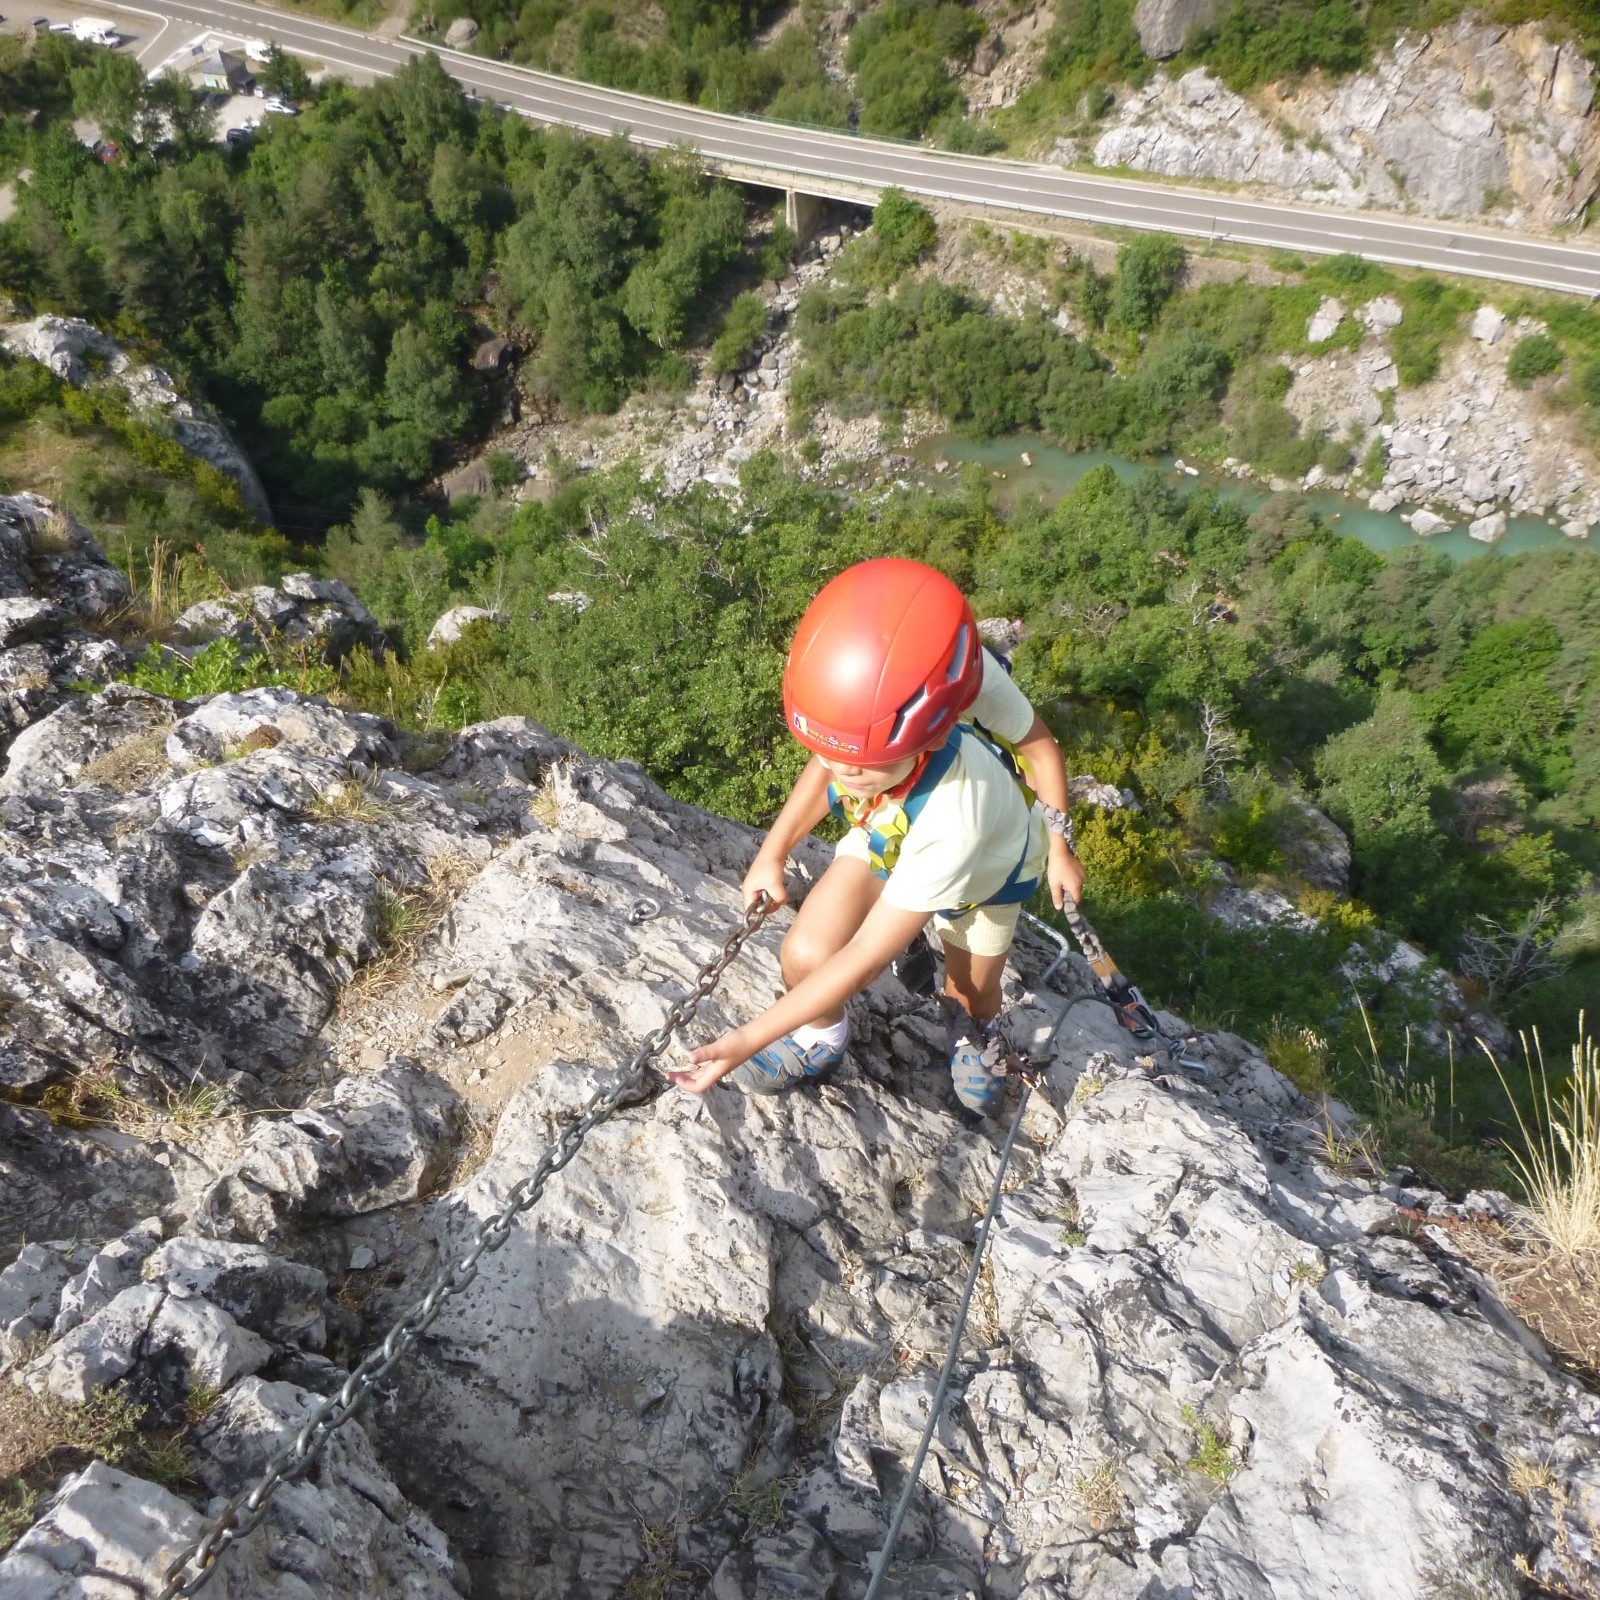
(281, 1300)
(1163, 25)
(56, 750)
(224, 724)
(113, 1267)
(150, 1327)
(320, 614)
(1447, 123)
(376, 1141)
(82, 355)
(30, 1290)
(453, 623)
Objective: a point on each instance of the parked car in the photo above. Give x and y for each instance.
(281, 107)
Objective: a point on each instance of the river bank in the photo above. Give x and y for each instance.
(1027, 466)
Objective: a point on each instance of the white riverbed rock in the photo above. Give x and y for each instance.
(1489, 529)
(1427, 523)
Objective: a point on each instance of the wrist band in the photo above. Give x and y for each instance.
(1059, 823)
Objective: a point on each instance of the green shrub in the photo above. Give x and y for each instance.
(223, 668)
(1149, 270)
(742, 329)
(1532, 358)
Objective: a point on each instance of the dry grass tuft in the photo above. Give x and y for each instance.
(354, 801)
(131, 764)
(545, 807)
(1101, 1497)
(476, 1142)
(42, 1437)
(405, 918)
(95, 1099)
(1560, 1170)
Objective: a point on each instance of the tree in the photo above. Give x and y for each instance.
(427, 106)
(110, 90)
(284, 74)
(1149, 270)
(904, 231)
(422, 384)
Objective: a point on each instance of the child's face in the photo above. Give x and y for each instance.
(865, 782)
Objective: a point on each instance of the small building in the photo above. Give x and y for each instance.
(222, 72)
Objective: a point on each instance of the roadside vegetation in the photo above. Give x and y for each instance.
(902, 60)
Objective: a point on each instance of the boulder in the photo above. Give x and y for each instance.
(1324, 321)
(179, 1340)
(111, 1269)
(59, 749)
(30, 1291)
(225, 724)
(462, 31)
(1487, 324)
(281, 1300)
(374, 1142)
(1490, 528)
(451, 624)
(1427, 523)
(1380, 314)
(301, 610)
(472, 479)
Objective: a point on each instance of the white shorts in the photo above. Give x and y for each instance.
(983, 931)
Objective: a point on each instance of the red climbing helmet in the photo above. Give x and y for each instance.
(884, 661)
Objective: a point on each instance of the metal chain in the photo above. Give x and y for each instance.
(245, 1512)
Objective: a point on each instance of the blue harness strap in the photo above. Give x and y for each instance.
(884, 838)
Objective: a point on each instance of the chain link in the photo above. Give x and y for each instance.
(245, 1512)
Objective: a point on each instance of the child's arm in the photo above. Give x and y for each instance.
(886, 932)
(806, 806)
(1047, 773)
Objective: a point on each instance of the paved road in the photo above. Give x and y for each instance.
(843, 165)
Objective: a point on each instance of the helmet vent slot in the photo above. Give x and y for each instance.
(958, 656)
(905, 713)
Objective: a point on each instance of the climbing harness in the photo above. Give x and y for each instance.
(244, 1513)
(887, 818)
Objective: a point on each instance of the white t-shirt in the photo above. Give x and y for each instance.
(975, 826)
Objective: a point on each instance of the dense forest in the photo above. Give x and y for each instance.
(894, 67)
(322, 282)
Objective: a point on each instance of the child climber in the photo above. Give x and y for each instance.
(885, 683)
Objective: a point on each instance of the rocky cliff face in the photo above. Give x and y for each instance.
(80, 354)
(291, 1002)
(1472, 121)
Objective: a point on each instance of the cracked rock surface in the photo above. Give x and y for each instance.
(1201, 1361)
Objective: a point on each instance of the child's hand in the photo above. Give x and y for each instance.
(711, 1064)
(1065, 876)
(766, 876)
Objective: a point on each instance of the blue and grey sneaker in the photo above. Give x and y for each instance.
(977, 1063)
(783, 1064)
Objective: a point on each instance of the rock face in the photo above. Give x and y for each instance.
(1204, 1362)
(81, 354)
(55, 587)
(1163, 25)
(319, 615)
(1468, 121)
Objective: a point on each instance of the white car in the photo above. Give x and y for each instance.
(280, 107)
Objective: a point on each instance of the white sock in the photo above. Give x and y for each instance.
(806, 1035)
